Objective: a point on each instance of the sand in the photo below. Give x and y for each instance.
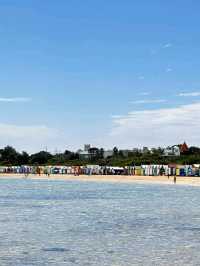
(193, 181)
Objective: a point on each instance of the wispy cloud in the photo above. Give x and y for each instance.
(145, 93)
(16, 131)
(149, 101)
(15, 99)
(169, 69)
(189, 94)
(30, 138)
(160, 127)
(141, 77)
(167, 45)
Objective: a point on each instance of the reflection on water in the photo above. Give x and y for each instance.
(74, 223)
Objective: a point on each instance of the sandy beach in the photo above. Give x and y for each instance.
(192, 181)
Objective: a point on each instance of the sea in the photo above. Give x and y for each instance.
(46, 222)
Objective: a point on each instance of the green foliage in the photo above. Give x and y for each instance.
(9, 156)
(40, 158)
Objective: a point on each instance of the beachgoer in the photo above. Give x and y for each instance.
(25, 175)
(174, 179)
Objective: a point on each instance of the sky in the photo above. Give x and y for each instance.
(109, 73)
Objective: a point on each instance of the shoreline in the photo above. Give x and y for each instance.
(163, 180)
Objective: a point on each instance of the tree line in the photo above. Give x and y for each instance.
(10, 156)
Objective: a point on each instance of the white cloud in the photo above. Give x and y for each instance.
(159, 127)
(141, 77)
(167, 45)
(13, 100)
(149, 101)
(15, 131)
(169, 69)
(189, 94)
(30, 138)
(145, 93)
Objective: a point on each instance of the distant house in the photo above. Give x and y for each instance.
(176, 150)
(88, 152)
(87, 147)
(93, 152)
(172, 151)
(84, 154)
(183, 148)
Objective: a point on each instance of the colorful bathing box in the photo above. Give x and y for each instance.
(143, 170)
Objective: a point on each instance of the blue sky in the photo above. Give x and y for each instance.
(102, 72)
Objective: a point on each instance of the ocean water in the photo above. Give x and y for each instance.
(82, 223)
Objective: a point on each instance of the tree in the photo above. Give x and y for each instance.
(74, 156)
(157, 151)
(23, 158)
(40, 158)
(121, 154)
(9, 155)
(194, 150)
(115, 151)
(101, 153)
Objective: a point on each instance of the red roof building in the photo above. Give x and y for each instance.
(184, 148)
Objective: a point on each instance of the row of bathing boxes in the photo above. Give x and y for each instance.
(158, 170)
(143, 170)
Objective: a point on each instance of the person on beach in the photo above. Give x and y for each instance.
(174, 179)
(25, 175)
(48, 172)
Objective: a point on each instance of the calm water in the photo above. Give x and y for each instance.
(72, 223)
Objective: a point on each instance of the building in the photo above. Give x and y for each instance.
(172, 151)
(107, 154)
(176, 150)
(84, 154)
(93, 152)
(183, 148)
(87, 147)
(88, 152)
